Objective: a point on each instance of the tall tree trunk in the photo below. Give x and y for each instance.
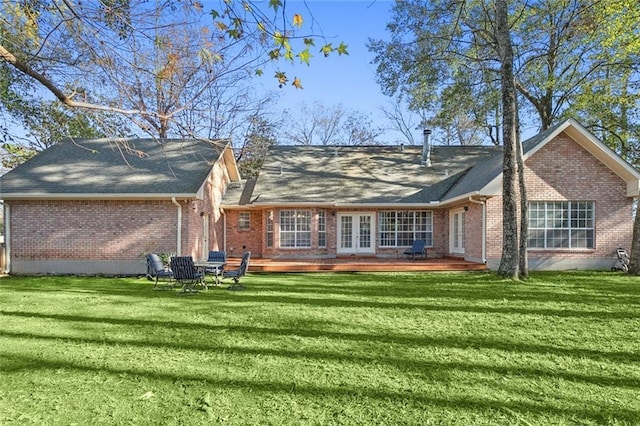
(524, 207)
(634, 266)
(509, 263)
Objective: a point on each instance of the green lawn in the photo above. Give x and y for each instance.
(323, 349)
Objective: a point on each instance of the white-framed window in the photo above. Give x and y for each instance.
(269, 228)
(402, 228)
(561, 225)
(322, 228)
(295, 228)
(244, 221)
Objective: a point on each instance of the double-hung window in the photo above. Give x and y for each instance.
(561, 225)
(402, 228)
(295, 228)
(322, 228)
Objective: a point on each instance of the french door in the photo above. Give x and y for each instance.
(456, 231)
(356, 233)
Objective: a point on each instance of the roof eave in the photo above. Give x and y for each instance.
(92, 196)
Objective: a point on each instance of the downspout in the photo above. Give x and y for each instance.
(224, 230)
(7, 239)
(483, 202)
(178, 228)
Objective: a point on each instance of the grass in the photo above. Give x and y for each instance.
(323, 349)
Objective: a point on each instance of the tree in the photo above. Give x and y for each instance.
(510, 261)
(322, 125)
(562, 46)
(152, 64)
(259, 138)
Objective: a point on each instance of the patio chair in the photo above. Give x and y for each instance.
(236, 274)
(156, 271)
(216, 256)
(185, 273)
(416, 250)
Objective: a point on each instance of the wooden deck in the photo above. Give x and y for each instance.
(358, 264)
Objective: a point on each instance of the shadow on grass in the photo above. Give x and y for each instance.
(454, 342)
(600, 413)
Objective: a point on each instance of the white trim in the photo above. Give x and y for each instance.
(95, 196)
(178, 227)
(355, 238)
(483, 203)
(453, 249)
(7, 238)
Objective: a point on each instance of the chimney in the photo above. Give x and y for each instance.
(426, 149)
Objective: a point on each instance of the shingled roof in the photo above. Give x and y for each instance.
(358, 175)
(392, 175)
(114, 168)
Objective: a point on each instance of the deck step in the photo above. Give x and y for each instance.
(358, 265)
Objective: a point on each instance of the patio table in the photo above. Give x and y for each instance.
(213, 269)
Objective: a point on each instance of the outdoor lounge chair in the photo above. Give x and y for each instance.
(416, 250)
(216, 256)
(156, 271)
(184, 272)
(236, 274)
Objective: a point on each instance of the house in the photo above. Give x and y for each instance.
(320, 201)
(97, 206)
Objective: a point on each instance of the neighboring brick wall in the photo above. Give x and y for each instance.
(91, 230)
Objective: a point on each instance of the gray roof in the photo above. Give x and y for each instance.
(487, 169)
(358, 175)
(114, 167)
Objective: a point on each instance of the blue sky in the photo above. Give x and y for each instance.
(347, 80)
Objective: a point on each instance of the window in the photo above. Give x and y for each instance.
(322, 228)
(561, 224)
(244, 221)
(402, 228)
(269, 228)
(295, 228)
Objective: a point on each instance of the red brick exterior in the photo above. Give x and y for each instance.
(563, 170)
(112, 236)
(102, 236)
(560, 170)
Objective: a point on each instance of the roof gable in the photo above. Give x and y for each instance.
(114, 168)
(586, 140)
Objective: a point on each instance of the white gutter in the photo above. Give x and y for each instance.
(224, 230)
(178, 227)
(428, 205)
(7, 238)
(100, 196)
(483, 202)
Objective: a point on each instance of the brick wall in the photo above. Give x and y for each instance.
(563, 170)
(91, 230)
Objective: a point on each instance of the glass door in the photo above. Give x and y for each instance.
(355, 233)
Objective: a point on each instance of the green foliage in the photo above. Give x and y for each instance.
(260, 137)
(327, 348)
(569, 53)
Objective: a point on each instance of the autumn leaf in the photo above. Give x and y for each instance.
(305, 56)
(297, 83)
(259, 72)
(275, 4)
(326, 49)
(297, 20)
(342, 49)
(221, 26)
(282, 78)
(309, 42)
